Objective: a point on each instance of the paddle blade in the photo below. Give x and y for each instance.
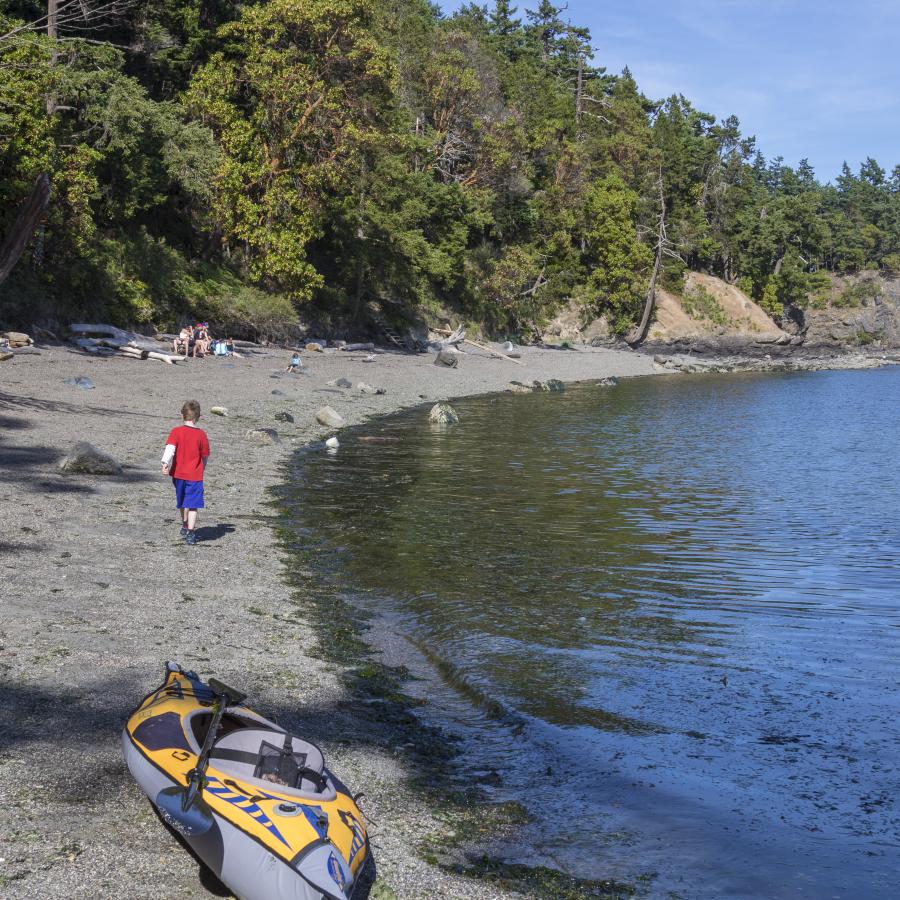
(192, 822)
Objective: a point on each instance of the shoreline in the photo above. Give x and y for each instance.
(100, 591)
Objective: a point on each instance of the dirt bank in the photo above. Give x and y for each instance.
(98, 590)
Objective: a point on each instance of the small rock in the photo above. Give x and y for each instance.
(263, 436)
(332, 443)
(516, 387)
(364, 388)
(86, 459)
(608, 382)
(369, 358)
(219, 410)
(443, 414)
(80, 381)
(284, 417)
(327, 416)
(5, 356)
(315, 347)
(447, 357)
(340, 382)
(660, 360)
(278, 393)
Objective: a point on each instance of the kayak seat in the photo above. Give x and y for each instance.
(258, 753)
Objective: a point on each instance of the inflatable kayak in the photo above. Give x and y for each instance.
(255, 803)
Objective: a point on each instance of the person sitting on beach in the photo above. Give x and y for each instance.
(295, 364)
(182, 344)
(201, 339)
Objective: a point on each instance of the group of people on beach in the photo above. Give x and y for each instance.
(198, 342)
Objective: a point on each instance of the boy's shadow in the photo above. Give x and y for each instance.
(214, 532)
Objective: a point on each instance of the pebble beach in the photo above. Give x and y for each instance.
(99, 591)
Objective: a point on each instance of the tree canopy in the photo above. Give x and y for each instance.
(336, 159)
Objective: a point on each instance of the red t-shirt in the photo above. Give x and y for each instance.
(191, 450)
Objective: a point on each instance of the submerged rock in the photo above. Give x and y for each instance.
(86, 459)
(330, 417)
(553, 385)
(443, 414)
(516, 387)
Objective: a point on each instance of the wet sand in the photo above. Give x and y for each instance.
(99, 590)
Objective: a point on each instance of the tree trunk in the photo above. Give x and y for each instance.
(53, 34)
(636, 335)
(23, 227)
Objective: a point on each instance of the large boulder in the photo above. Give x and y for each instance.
(443, 414)
(447, 357)
(263, 436)
(330, 417)
(17, 339)
(86, 459)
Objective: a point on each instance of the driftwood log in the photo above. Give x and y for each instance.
(128, 343)
(459, 336)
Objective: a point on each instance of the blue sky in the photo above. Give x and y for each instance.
(809, 79)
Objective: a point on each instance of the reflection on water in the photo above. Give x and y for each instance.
(685, 587)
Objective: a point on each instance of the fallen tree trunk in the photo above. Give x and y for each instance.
(365, 346)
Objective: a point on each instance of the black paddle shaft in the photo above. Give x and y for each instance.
(224, 696)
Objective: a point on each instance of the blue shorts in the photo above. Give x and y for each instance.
(188, 494)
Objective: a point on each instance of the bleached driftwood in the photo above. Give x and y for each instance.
(459, 336)
(365, 346)
(126, 342)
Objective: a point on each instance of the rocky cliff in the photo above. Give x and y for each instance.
(858, 312)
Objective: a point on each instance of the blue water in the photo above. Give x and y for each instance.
(683, 591)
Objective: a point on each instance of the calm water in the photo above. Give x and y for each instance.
(683, 594)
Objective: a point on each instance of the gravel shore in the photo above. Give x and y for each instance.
(98, 590)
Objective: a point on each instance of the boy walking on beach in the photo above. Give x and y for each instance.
(187, 449)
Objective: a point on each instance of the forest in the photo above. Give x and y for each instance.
(262, 164)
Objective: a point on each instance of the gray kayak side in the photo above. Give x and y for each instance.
(245, 866)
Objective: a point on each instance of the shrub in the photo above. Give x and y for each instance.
(699, 303)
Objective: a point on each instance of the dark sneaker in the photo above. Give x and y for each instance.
(190, 538)
(184, 530)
